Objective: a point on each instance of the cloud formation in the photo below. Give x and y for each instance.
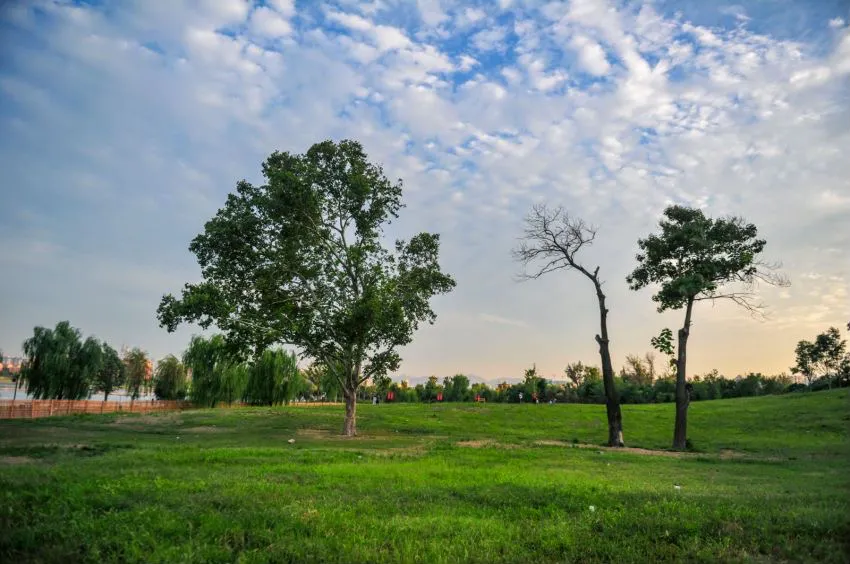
(126, 125)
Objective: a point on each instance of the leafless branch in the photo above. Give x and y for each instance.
(747, 300)
(552, 237)
(768, 273)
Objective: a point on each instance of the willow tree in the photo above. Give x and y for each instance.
(218, 374)
(170, 379)
(273, 378)
(136, 370)
(59, 364)
(300, 260)
(696, 258)
(111, 373)
(552, 241)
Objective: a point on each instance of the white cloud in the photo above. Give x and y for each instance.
(431, 12)
(386, 38)
(490, 39)
(351, 21)
(268, 23)
(591, 55)
(467, 63)
(470, 16)
(286, 8)
(390, 38)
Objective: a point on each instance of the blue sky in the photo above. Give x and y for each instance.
(125, 124)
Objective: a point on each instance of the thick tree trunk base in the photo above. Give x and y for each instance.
(680, 431)
(349, 427)
(615, 426)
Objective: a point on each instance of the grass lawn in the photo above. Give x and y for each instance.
(458, 482)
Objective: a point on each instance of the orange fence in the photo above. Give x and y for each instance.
(27, 409)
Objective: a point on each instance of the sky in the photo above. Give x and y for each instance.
(123, 125)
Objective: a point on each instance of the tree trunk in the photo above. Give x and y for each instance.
(612, 398)
(349, 428)
(680, 431)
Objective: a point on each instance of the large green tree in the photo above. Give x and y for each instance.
(300, 260)
(696, 258)
(59, 363)
(170, 379)
(111, 373)
(553, 241)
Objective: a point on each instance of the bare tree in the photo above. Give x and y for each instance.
(551, 241)
(649, 358)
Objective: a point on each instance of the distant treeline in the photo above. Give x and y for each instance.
(585, 386)
(60, 364)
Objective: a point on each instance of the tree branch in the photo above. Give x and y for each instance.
(554, 236)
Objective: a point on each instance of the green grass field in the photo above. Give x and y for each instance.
(768, 482)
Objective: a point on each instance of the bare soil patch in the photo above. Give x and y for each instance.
(316, 434)
(203, 429)
(486, 444)
(171, 418)
(631, 450)
(15, 460)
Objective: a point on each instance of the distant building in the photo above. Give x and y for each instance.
(11, 364)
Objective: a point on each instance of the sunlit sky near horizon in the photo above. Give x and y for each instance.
(125, 124)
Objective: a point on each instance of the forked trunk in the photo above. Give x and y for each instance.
(680, 431)
(349, 428)
(612, 398)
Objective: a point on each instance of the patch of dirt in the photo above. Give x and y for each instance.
(316, 434)
(409, 451)
(15, 460)
(486, 444)
(631, 450)
(203, 429)
(553, 443)
(170, 418)
(724, 454)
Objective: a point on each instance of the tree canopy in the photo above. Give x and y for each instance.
(59, 363)
(111, 374)
(694, 257)
(299, 260)
(170, 379)
(822, 357)
(136, 372)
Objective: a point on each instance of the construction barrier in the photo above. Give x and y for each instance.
(28, 409)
